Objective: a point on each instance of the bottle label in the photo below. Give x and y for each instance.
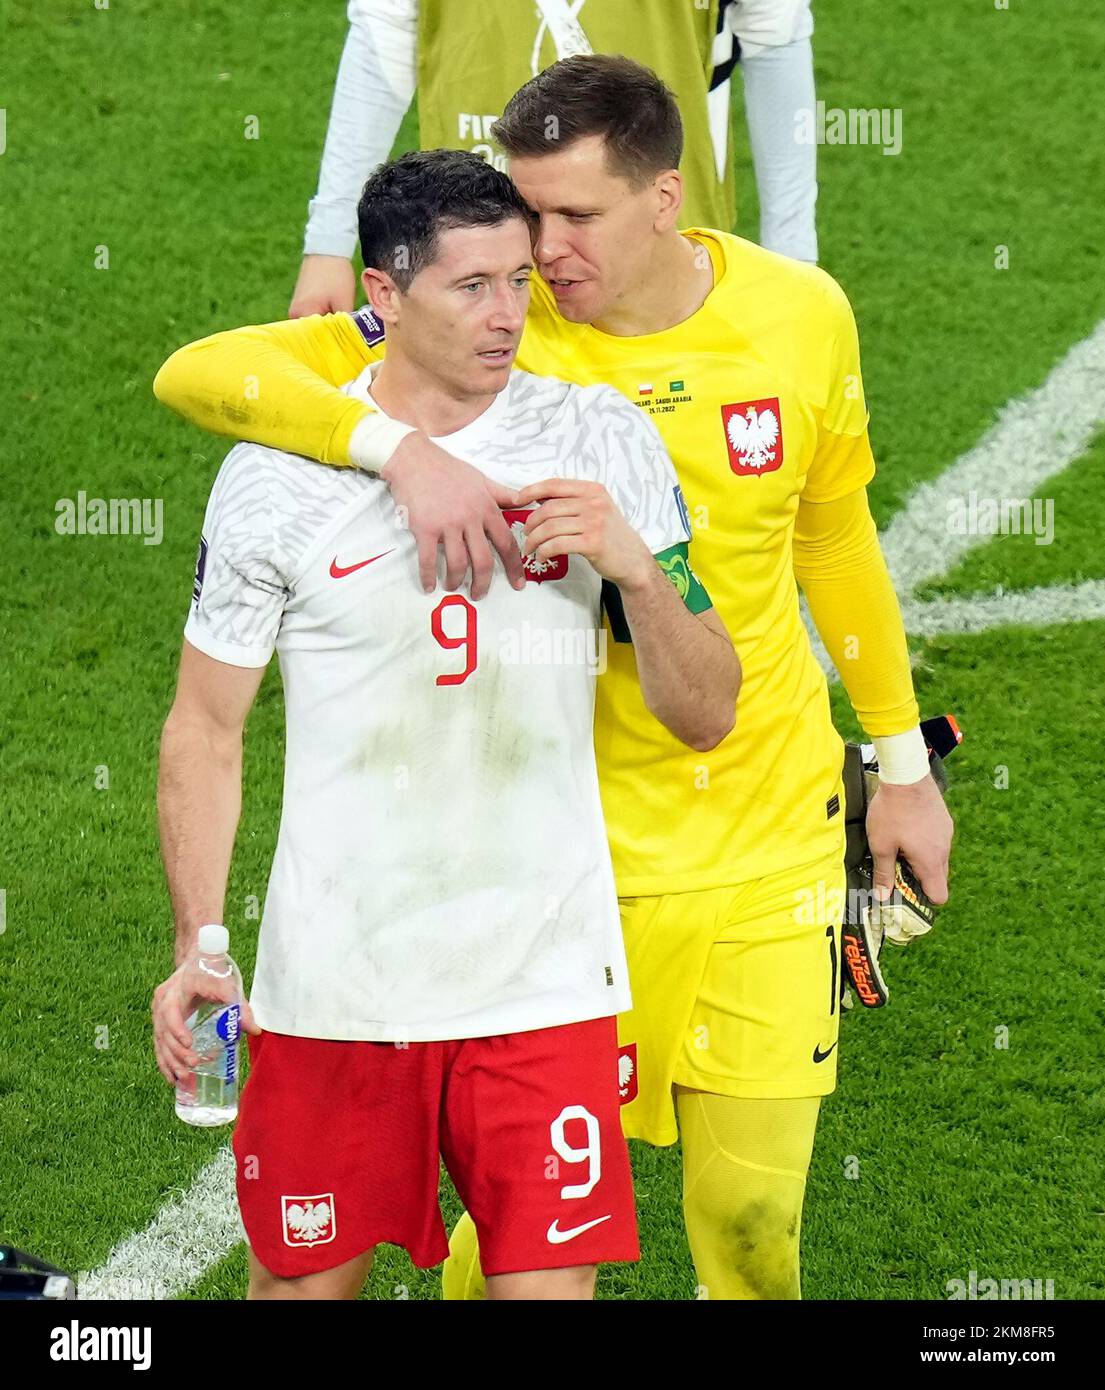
(217, 1039)
(228, 1028)
(229, 1024)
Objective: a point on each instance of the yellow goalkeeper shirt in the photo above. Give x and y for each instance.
(759, 399)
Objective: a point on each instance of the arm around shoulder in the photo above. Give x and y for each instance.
(273, 383)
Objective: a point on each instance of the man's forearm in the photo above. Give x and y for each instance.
(274, 384)
(199, 801)
(838, 563)
(375, 83)
(689, 674)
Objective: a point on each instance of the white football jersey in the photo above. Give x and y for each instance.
(442, 868)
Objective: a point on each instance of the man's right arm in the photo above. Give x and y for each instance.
(199, 798)
(374, 87)
(238, 598)
(275, 384)
(199, 790)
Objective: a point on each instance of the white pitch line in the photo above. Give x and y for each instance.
(188, 1235)
(1034, 437)
(1044, 607)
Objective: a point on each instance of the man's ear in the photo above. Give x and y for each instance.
(382, 293)
(669, 199)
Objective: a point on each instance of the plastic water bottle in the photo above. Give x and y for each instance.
(208, 1094)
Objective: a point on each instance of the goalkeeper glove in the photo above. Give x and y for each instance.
(908, 912)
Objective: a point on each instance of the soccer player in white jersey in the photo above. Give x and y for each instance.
(440, 958)
(465, 58)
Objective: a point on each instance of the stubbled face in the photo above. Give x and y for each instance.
(596, 227)
(462, 317)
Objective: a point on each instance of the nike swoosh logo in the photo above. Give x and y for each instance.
(818, 1055)
(555, 1236)
(340, 571)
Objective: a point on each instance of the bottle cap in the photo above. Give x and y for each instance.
(214, 939)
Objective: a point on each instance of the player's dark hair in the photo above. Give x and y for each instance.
(409, 201)
(597, 94)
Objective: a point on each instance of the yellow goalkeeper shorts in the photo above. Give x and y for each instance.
(736, 991)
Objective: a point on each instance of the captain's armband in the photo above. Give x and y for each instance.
(676, 564)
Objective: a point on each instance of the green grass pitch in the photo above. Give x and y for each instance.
(124, 130)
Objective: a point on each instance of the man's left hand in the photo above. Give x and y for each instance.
(910, 822)
(581, 518)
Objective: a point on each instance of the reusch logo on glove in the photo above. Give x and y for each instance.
(859, 971)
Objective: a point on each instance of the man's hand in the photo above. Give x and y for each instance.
(448, 502)
(911, 822)
(581, 518)
(173, 1001)
(326, 285)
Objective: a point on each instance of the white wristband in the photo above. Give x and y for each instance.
(375, 439)
(903, 758)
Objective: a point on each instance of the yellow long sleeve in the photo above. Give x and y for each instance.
(273, 383)
(840, 566)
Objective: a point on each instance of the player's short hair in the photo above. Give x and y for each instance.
(597, 94)
(408, 202)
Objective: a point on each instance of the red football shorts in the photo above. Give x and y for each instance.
(338, 1147)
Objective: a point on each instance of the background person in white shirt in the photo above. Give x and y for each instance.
(396, 48)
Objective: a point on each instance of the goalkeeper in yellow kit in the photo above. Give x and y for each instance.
(729, 863)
